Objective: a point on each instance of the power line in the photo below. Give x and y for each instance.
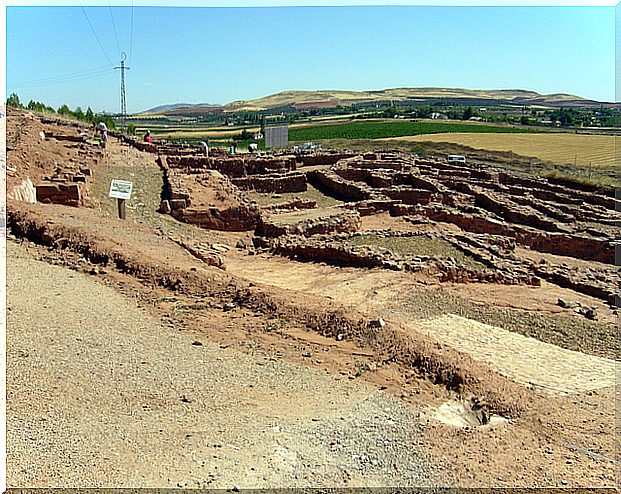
(96, 37)
(114, 27)
(72, 74)
(62, 79)
(131, 34)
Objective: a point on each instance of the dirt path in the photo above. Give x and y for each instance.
(100, 394)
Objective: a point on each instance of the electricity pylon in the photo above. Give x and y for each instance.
(123, 104)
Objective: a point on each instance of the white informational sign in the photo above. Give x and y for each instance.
(120, 189)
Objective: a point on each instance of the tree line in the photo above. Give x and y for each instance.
(64, 111)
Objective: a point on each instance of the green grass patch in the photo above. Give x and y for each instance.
(387, 129)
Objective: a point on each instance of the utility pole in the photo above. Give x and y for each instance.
(123, 104)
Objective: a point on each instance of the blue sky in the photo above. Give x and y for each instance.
(198, 53)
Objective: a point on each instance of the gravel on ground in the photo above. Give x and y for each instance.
(100, 394)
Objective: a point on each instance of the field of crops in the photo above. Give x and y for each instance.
(387, 129)
(560, 148)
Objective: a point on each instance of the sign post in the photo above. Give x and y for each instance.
(121, 190)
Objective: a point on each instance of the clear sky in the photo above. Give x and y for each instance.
(198, 53)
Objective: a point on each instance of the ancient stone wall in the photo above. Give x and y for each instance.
(329, 179)
(534, 212)
(323, 158)
(335, 248)
(288, 182)
(291, 205)
(60, 193)
(69, 180)
(372, 206)
(584, 247)
(235, 166)
(163, 148)
(178, 196)
(340, 221)
(409, 195)
(240, 218)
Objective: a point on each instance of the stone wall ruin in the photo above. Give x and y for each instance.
(491, 207)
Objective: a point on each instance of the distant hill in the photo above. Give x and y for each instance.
(178, 106)
(511, 97)
(333, 98)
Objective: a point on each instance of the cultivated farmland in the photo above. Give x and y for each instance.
(386, 129)
(560, 148)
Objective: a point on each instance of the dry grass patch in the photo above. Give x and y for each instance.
(560, 148)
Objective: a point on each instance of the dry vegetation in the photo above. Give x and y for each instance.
(560, 148)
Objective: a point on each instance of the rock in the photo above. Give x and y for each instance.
(220, 248)
(370, 366)
(380, 323)
(590, 313)
(165, 207)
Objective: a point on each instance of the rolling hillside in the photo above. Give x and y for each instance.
(332, 98)
(328, 98)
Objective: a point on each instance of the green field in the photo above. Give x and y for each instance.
(384, 129)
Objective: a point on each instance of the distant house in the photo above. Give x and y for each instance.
(437, 116)
(476, 119)
(258, 135)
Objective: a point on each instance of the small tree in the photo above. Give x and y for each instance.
(14, 102)
(420, 150)
(245, 135)
(79, 114)
(468, 113)
(64, 111)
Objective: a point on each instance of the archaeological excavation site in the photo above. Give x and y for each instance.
(478, 301)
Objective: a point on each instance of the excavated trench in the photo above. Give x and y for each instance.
(389, 343)
(392, 343)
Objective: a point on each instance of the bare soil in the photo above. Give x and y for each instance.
(350, 324)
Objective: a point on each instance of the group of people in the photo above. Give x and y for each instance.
(101, 133)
